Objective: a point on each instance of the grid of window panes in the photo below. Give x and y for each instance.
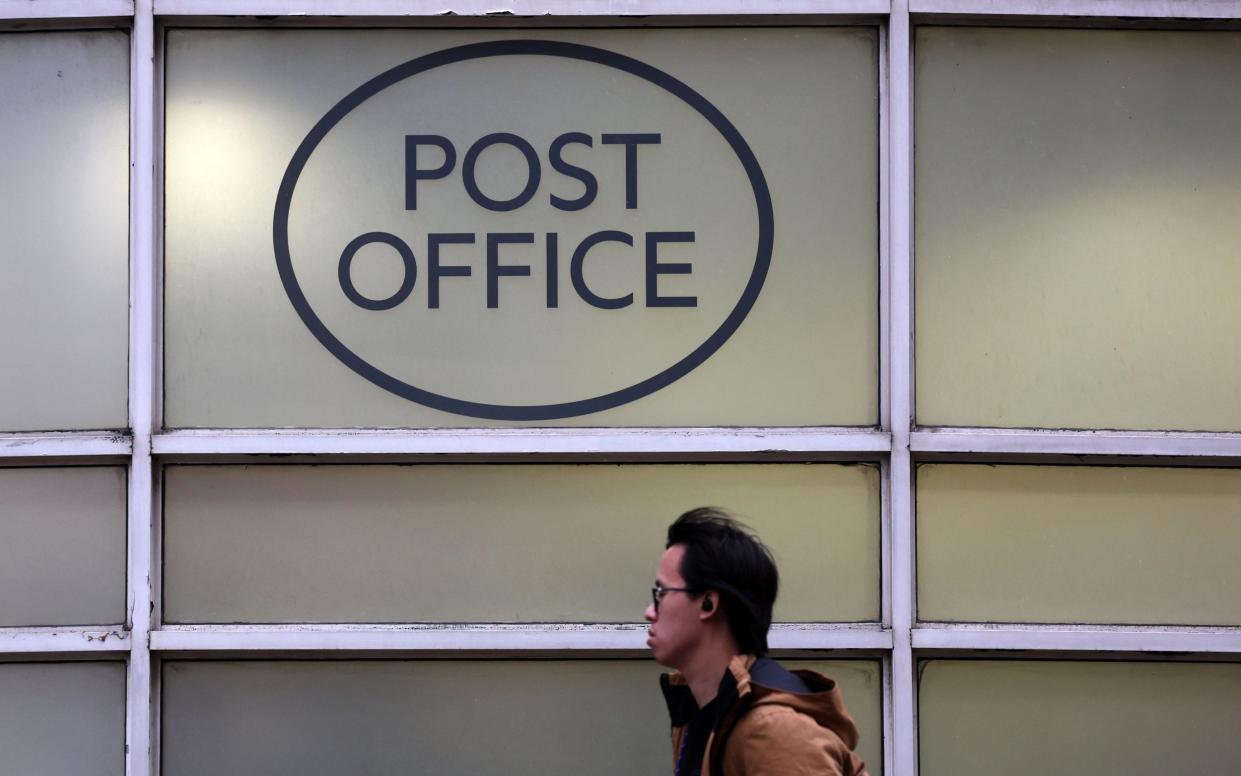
(1038, 551)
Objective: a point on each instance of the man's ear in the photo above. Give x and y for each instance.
(708, 604)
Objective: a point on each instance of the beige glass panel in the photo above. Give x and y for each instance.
(1076, 228)
(1079, 544)
(440, 717)
(66, 719)
(62, 546)
(1029, 717)
(64, 209)
(481, 543)
(239, 103)
(861, 686)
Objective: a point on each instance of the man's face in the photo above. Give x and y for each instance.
(677, 627)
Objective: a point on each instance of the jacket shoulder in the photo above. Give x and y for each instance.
(777, 740)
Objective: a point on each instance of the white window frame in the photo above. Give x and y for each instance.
(899, 640)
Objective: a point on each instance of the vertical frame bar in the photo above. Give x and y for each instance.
(138, 719)
(900, 300)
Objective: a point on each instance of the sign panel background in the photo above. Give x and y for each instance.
(239, 103)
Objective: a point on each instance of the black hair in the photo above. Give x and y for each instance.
(724, 555)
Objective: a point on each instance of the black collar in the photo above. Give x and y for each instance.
(682, 706)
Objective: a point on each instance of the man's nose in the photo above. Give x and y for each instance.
(650, 613)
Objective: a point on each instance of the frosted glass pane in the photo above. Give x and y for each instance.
(861, 686)
(1076, 228)
(475, 543)
(62, 546)
(1139, 719)
(1079, 544)
(66, 719)
(443, 717)
(239, 103)
(64, 209)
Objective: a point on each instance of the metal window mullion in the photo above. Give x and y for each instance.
(1081, 639)
(139, 721)
(628, 639)
(517, 8)
(64, 444)
(1152, 9)
(65, 9)
(520, 441)
(95, 641)
(900, 676)
(1035, 442)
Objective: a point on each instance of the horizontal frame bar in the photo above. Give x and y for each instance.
(623, 441)
(109, 640)
(515, 8)
(1077, 638)
(1103, 443)
(65, 9)
(585, 441)
(68, 444)
(1154, 9)
(622, 638)
(1127, 9)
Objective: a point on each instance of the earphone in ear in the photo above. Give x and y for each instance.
(707, 605)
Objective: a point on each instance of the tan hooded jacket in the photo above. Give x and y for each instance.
(775, 727)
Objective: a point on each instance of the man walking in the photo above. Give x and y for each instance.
(736, 712)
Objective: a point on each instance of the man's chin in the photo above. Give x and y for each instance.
(657, 654)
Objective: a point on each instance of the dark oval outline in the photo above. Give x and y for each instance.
(762, 198)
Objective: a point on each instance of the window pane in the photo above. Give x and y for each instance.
(66, 719)
(240, 102)
(437, 717)
(64, 205)
(62, 546)
(1139, 719)
(481, 543)
(861, 685)
(1079, 544)
(1076, 228)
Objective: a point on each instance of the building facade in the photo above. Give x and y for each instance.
(357, 355)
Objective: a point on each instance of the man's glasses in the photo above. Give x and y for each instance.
(657, 593)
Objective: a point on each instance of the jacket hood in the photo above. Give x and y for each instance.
(762, 681)
(820, 700)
